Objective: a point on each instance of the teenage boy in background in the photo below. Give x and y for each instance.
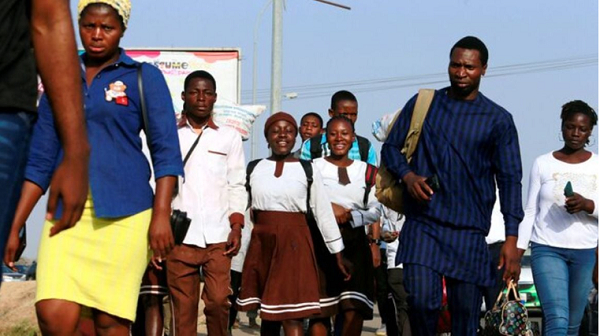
(343, 103)
(311, 125)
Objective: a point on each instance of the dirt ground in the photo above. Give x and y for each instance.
(17, 313)
(17, 305)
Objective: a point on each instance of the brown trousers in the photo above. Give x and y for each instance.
(183, 278)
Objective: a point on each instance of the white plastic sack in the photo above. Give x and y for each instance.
(240, 117)
(381, 126)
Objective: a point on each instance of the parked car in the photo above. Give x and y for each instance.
(526, 286)
(31, 271)
(9, 275)
(529, 295)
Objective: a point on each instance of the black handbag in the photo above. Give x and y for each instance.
(180, 223)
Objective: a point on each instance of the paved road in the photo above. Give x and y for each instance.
(369, 327)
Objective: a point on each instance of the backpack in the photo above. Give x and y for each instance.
(317, 148)
(370, 181)
(389, 190)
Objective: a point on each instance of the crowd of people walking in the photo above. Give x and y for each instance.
(316, 248)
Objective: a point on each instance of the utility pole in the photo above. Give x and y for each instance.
(254, 140)
(276, 60)
(277, 49)
(276, 56)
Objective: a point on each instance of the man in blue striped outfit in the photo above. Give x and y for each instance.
(471, 144)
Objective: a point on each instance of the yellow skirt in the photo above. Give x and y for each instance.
(99, 263)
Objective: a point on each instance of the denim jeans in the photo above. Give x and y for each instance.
(15, 134)
(563, 280)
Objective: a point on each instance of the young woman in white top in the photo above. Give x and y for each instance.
(345, 181)
(561, 226)
(280, 273)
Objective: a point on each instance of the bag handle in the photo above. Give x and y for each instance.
(143, 105)
(498, 300)
(145, 116)
(422, 105)
(510, 288)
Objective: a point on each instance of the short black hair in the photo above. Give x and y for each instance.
(578, 106)
(312, 114)
(472, 42)
(341, 95)
(199, 74)
(337, 118)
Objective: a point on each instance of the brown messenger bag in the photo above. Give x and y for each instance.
(388, 189)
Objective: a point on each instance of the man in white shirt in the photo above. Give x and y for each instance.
(392, 223)
(214, 196)
(495, 239)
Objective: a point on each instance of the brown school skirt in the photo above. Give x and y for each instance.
(280, 272)
(336, 294)
(154, 281)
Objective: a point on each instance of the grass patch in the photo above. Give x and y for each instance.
(23, 328)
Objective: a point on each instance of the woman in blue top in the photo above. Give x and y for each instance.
(99, 262)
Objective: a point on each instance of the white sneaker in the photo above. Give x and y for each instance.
(381, 331)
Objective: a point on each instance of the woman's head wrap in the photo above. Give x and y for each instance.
(277, 117)
(123, 7)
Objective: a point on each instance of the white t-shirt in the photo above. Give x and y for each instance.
(546, 220)
(288, 193)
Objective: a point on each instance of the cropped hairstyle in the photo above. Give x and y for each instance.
(341, 95)
(312, 114)
(199, 74)
(472, 42)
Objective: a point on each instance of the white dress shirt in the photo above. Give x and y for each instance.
(391, 221)
(213, 191)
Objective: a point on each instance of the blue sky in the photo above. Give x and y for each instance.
(542, 55)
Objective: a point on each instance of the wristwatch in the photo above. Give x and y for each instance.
(376, 242)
